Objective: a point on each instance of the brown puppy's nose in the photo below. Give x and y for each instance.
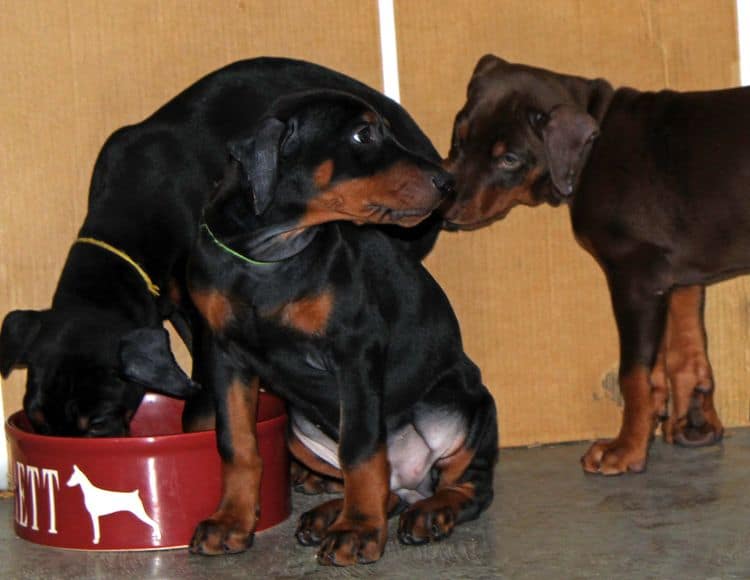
(444, 182)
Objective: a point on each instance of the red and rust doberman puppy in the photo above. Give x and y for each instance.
(657, 184)
(304, 297)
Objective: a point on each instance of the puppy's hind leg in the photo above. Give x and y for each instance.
(694, 421)
(308, 482)
(464, 486)
(313, 524)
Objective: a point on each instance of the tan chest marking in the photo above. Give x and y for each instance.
(214, 306)
(310, 314)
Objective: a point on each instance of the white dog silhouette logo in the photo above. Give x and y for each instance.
(102, 502)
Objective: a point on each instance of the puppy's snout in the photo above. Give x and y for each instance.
(444, 182)
(106, 426)
(38, 421)
(101, 425)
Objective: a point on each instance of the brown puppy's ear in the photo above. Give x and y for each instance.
(599, 97)
(20, 329)
(259, 157)
(487, 63)
(568, 135)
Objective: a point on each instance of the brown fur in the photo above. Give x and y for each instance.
(627, 452)
(230, 529)
(314, 524)
(309, 482)
(434, 518)
(310, 460)
(624, 162)
(488, 202)
(214, 306)
(363, 199)
(323, 174)
(308, 315)
(683, 369)
(359, 532)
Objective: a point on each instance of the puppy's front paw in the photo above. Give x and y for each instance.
(613, 457)
(348, 543)
(313, 524)
(426, 521)
(309, 483)
(221, 534)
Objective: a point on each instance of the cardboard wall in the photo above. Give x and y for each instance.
(73, 71)
(532, 305)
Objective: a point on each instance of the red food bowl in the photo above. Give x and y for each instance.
(143, 492)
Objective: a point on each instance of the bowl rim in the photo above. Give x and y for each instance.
(17, 434)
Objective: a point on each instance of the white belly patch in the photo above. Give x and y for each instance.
(412, 450)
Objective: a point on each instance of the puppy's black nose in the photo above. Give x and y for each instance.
(444, 182)
(37, 419)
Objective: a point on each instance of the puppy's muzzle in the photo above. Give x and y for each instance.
(444, 183)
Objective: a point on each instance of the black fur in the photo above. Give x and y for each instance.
(148, 187)
(346, 326)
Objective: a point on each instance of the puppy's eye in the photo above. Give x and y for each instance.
(363, 135)
(509, 161)
(537, 120)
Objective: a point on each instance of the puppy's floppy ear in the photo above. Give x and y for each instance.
(20, 329)
(259, 157)
(145, 358)
(568, 135)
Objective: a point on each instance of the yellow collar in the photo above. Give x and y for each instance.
(152, 288)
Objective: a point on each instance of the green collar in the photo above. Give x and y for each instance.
(229, 250)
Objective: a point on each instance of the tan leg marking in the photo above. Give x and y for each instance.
(628, 451)
(359, 532)
(693, 420)
(231, 527)
(433, 519)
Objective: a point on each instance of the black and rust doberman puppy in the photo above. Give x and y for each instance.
(92, 352)
(657, 187)
(340, 321)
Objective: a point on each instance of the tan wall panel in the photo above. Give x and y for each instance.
(533, 306)
(534, 309)
(73, 71)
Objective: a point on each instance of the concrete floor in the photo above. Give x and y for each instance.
(687, 517)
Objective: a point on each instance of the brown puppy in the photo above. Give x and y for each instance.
(657, 188)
